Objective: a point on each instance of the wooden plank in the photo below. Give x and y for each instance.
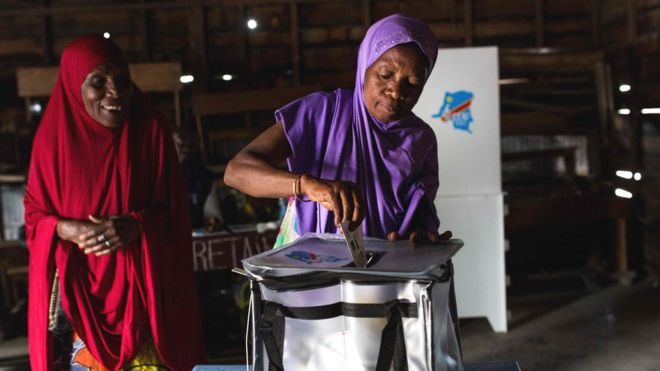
(573, 209)
(499, 28)
(332, 34)
(564, 110)
(538, 123)
(156, 77)
(21, 46)
(544, 58)
(247, 101)
(149, 77)
(35, 81)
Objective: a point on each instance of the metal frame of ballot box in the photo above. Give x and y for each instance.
(272, 275)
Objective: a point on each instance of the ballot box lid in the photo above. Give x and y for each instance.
(316, 252)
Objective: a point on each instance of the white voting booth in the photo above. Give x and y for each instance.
(461, 103)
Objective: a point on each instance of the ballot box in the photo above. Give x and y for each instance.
(312, 309)
(223, 295)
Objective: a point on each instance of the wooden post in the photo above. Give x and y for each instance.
(197, 37)
(200, 135)
(631, 11)
(621, 246)
(243, 44)
(539, 22)
(144, 33)
(47, 36)
(295, 43)
(177, 107)
(596, 23)
(468, 24)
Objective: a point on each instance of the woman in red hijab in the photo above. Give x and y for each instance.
(107, 222)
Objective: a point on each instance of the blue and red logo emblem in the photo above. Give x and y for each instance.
(456, 108)
(310, 257)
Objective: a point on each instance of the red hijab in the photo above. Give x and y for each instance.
(78, 167)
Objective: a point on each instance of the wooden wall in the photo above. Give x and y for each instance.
(297, 41)
(314, 42)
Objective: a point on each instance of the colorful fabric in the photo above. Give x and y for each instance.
(80, 168)
(289, 229)
(146, 360)
(332, 136)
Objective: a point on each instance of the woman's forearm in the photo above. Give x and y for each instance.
(254, 169)
(257, 178)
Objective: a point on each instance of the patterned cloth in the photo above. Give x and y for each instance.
(289, 229)
(146, 360)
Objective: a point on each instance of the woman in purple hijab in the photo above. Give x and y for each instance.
(356, 155)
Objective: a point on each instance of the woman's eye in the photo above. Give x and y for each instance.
(385, 76)
(97, 81)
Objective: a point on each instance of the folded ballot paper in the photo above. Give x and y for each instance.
(329, 252)
(355, 244)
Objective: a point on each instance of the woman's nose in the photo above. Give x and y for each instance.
(394, 90)
(111, 88)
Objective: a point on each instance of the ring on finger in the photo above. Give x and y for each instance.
(107, 243)
(101, 238)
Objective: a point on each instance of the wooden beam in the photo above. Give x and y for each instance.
(247, 101)
(543, 58)
(544, 107)
(468, 24)
(539, 22)
(79, 7)
(295, 42)
(539, 123)
(149, 77)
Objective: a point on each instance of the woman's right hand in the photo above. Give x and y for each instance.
(343, 198)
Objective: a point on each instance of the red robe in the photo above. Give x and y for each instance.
(80, 168)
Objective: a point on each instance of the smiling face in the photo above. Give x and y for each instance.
(106, 93)
(394, 82)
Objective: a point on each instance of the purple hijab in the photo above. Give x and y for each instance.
(333, 136)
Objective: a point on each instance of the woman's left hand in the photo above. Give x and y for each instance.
(420, 237)
(109, 234)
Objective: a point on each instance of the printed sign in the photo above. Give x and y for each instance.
(225, 251)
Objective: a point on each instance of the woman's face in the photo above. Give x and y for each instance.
(106, 93)
(394, 82)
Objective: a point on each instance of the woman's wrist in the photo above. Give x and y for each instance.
(305, 180)
(61, 229)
